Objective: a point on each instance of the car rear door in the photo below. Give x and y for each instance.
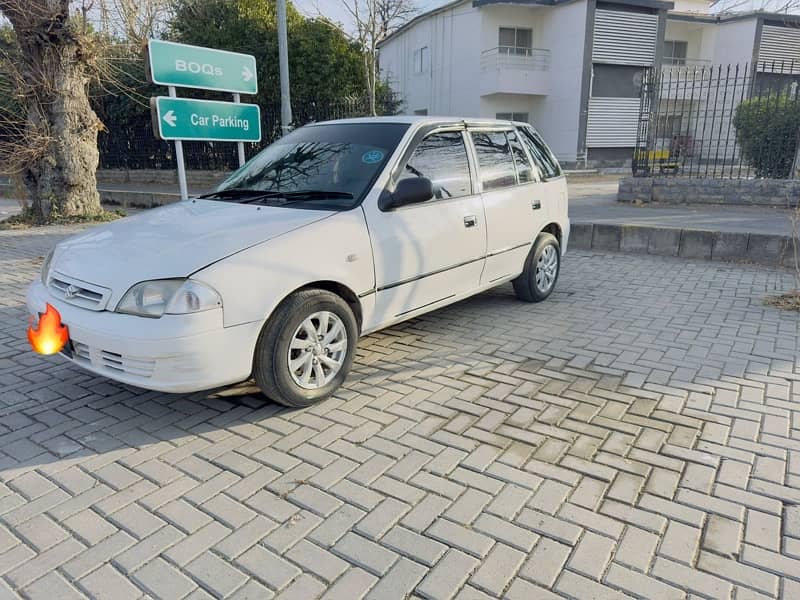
(552, 188)
(426, 254)
(511, 197)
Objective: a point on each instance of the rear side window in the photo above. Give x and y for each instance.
(442, 158)
(495, 161)
(540, 153)
(525, 173)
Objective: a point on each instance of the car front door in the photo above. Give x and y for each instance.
(429, 253)
(510, 189)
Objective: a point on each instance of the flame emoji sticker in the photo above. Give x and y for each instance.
(51, 335)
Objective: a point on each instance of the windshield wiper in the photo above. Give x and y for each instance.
(231, 193)
(245, 196)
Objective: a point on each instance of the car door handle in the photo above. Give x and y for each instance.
(536, 204)
(470, 221)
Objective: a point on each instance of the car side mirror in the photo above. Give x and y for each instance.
(408, 191)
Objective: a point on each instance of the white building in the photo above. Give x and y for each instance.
(573, 68)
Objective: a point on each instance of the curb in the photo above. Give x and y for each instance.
(763, 249)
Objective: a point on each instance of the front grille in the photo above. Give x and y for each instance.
(112, 361)
(79, 293)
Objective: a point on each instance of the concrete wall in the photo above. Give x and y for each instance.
(448, 85)
(559, 117)
(696, 6)
(735, 41)
(681, 190)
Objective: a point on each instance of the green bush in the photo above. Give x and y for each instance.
(768, 130)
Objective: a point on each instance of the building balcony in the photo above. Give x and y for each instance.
(512, 70)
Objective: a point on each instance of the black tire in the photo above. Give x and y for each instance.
(525, 285)
(271, 359)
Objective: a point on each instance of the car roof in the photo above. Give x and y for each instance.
(420, 120)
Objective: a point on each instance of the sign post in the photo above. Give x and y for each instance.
(184, 188)
(182, 65)
(239, 145)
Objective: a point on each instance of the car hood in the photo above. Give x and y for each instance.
(172, 241)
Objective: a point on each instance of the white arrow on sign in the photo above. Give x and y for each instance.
(170, 118)
(247, 74)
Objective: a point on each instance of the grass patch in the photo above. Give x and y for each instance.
(787, 301)
(27, 219)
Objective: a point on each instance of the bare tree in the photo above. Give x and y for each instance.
(50, 64)
(776, 6)
(373, 21)
(135, 20)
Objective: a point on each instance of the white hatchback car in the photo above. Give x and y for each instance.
(334, 231)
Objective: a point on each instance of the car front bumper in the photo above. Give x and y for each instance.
(176, 353)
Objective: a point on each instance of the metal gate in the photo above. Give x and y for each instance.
(687, 118)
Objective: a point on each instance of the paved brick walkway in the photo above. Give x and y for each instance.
(638, 434)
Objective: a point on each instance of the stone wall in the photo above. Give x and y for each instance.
(685, 190)
(165, 177)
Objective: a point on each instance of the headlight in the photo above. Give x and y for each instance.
(46, 265)
(170, 296)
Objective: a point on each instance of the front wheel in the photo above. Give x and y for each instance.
(541, 270)
(306, 349)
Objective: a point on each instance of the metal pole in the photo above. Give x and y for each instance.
(179, 158)
(239, 145)
(283, 59)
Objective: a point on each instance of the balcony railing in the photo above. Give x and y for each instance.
(515, 57)
(684, 63)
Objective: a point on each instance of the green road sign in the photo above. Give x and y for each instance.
(182, 65)
(187, 119)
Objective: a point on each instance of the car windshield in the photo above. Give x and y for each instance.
(327, 166)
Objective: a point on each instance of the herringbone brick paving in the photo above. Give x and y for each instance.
(638, 435)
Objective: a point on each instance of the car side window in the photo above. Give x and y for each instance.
(525, 172)
(442, 158)
(540, 153)
(495, 161)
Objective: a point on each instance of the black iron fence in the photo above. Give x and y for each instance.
(132, 144)
(719, 121)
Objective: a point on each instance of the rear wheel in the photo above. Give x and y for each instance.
(542, 265)
(306, 349)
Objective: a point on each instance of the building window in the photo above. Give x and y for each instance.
(616, 81)
(675, 52)
(421, 58)
(421, 112)
(512, 116)
(512, 40)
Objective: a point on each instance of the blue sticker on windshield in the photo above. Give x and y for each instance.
(372, 157)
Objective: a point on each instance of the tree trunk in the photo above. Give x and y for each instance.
(62, 181)
(61, 129)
